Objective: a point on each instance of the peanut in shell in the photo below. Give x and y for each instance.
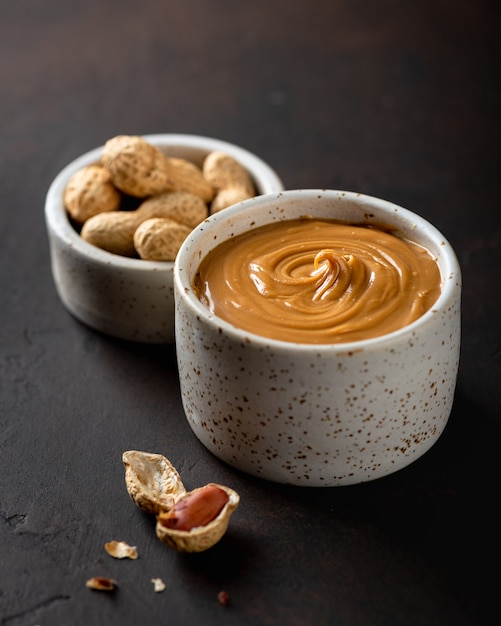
(181, 206)
(89, 192)
(227, 197)
(136, 167)
(222, 171)
(159, 239)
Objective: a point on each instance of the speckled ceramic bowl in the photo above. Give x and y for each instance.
(127, 298)
(316, 415)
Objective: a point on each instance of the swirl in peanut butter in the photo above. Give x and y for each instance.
(318, 281)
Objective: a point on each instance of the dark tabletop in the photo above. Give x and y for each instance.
(394, 99)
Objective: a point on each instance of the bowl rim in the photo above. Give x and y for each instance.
(450, 273)
(58, 223)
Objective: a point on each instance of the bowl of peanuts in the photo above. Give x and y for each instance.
(117, 215)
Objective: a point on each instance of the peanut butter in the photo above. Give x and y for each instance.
(318, 281)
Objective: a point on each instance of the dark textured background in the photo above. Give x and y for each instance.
(395, 99)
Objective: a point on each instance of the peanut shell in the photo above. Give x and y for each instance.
(200, 538)
(151, 480)
(121, 550)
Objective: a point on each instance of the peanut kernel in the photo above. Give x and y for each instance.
(198, 508)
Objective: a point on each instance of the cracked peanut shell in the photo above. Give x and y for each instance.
(152, 481)
(203, 537)
(156, 487)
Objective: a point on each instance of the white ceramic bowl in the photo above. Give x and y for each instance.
(127, 298)
(316, 415)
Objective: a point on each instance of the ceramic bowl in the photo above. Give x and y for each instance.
(316, 415)
(124, 297)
